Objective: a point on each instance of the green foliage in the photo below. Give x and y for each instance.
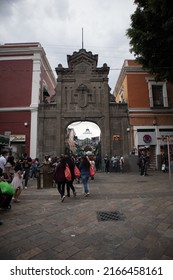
(151, 36)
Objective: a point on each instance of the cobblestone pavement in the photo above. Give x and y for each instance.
(126, 216)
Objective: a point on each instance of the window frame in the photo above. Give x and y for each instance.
(152, 83)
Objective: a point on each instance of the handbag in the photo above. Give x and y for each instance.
(76, 172)
(67, 173)
(92, 171)
(6, 188)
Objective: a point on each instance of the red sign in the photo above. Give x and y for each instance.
(116, 137)
(166, 139)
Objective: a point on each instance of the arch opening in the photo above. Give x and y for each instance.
(83, 137)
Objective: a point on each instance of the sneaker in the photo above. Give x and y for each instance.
(16, 200)
(86, 194)
(62, 199)
(25, 188)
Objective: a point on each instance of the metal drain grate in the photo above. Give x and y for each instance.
(110, 216)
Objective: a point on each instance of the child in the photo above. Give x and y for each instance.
(17, 183)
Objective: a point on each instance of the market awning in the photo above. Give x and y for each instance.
(4, 140)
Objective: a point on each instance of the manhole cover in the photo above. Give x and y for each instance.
(110, 216)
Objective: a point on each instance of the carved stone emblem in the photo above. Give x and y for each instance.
(82, 95)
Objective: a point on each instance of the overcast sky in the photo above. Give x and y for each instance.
(57, 25)
(81, 129)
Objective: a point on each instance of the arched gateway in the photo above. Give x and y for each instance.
(83, 94)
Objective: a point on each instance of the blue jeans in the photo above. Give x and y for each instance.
(85, 179)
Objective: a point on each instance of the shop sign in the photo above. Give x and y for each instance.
(18, 138)
(147, 138)
(165, 137)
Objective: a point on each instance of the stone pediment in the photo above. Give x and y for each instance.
(81, 66)
(82, 61)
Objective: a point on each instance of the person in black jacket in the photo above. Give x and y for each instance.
(69, 184)
(59, 177)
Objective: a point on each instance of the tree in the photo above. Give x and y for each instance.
(151, 37)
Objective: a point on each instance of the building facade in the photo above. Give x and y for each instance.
(150, 107)
(83, 94)
(70, 145)
(26, 80)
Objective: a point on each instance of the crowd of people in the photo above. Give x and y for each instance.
(81, 164)
(114, 163)
(14, 177)
(15, 174)
(26, 168)
(18, 172)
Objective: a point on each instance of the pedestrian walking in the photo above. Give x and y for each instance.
(107, 163)
(17, 184)
(69, 184)
(26, 165)
(121, 164)
(142, 164)
(59, 177)
(114, 161)
(85, 174)
(77, 163)
(34, 168)
(92, 162)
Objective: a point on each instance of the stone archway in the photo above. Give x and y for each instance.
(83, 136)
(83, 121)
(83, 94)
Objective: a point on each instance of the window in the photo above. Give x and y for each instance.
(157, 94)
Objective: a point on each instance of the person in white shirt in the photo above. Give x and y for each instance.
(3, 160)
(121, 164)
(17, 183)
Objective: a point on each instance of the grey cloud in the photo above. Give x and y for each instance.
(57, 25)
(7, 7)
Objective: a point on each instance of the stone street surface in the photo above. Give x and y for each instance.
(126, 216)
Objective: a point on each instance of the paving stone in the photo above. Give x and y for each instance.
(29, 254)
(169, 233)
(132, 242)
(162, 227)
(70, 230)
(137, 253)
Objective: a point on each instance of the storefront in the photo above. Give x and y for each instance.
(151, 140)
(166, 145)
(4, 142)
(145, 141)
(17, 143)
